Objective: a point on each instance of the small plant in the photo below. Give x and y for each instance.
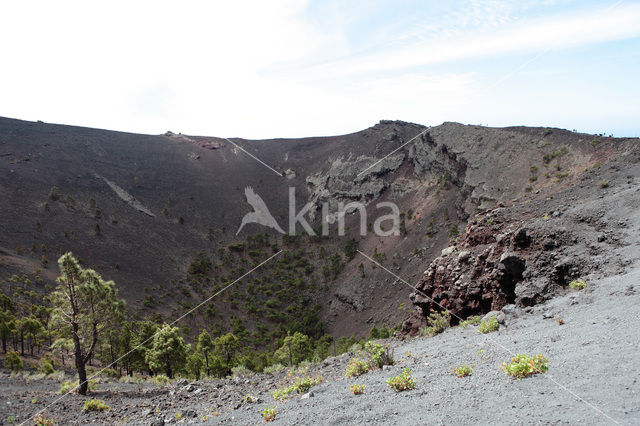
(356, 389)
(306, 383)
(281, 393)
(53, 193)
(438, 322)
(604, 184)
(529, 188)
(301, 385)
(269, 414)
(13, 361)
(66, 386)
(402, 382)
(356, 367)
(380, 355)
(273, 369)
(489, 325)
(178, 416)
(474, 320)
(161, 380)
(45, 366)
(462, 371)
(241, 371)
(249, 399)
(523, 366)
(40, 420)
(578, 284)
(95, 405)
(559, 320)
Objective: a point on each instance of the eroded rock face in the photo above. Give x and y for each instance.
(495, 263)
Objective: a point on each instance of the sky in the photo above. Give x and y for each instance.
(294, 68)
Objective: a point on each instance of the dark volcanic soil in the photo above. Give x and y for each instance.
(536, 209)
(188, 196)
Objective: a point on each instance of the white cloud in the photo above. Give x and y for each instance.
(549, 33)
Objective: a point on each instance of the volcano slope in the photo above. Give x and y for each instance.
(140, 208)
(535, 209)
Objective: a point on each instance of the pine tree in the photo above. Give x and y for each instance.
(169, 352)
(83, 305)
(7, 327)
(194, 364)
(226, 347)
(295, 349)
(205, 346)
(143, 342)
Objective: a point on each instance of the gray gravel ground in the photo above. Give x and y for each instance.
(593, 377)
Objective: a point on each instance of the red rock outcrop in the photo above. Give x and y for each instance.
(494, 263)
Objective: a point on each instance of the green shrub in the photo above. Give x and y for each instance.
(356, 367)
(269, 414)
(402, 382)
(95, 405)
(40, 420)
(524, 366)
(380, 355)
(301, 385)
(356, 389)
(201, 265)
(13, 361)
(489, 325)
(161, 380)
(462, 371)
(67, 386)
(474, 320)
(604, 184)
(45, 365)
(578, 284)
(241, 371)
(438, 322)
(306, 383)
(273, 369)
